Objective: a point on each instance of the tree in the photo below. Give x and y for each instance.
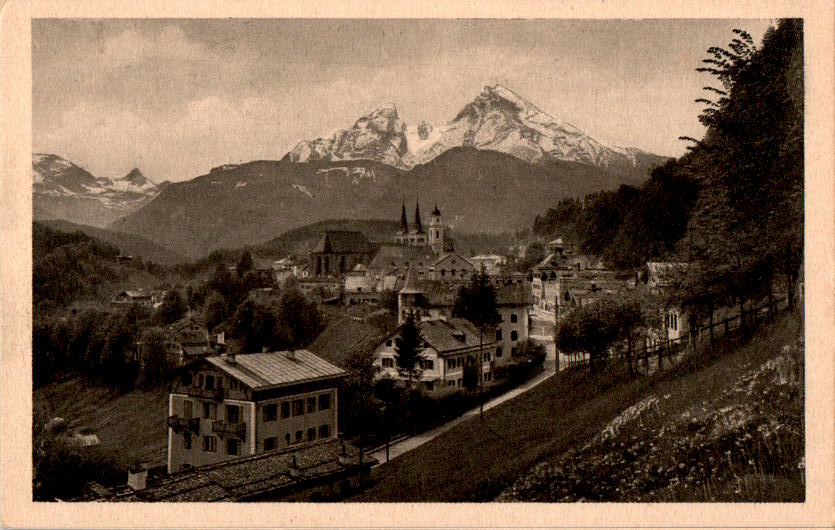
(257, 328)
(157, 365)
(172, 309)
(215, 310)
(588, 329)
(750, 165)
(245, 265)
(409, 351)
(300, 317)
(476, 302)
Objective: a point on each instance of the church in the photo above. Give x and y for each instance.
(417, 237)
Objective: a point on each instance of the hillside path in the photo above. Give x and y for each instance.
(407, 444)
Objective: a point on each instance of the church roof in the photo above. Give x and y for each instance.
(390, 257)
(342, 242)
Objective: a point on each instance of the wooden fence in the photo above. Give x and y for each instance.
(692, 338)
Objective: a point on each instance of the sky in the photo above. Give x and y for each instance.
(178, 97)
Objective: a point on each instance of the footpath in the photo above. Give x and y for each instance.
(412, 442)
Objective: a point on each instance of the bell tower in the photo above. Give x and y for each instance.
(436, 232)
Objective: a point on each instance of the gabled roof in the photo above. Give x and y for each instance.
(450, 335)
(272, 369)
(390, 257)
(452, 255)
(342, 242)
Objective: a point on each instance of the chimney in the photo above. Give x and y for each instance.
(138, 478)
(291, 354)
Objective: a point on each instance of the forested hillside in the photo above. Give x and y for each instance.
(733, 205)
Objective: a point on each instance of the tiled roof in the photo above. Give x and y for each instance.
(262, 370)
(441, 335)
(242, 478)
(342, 242)
(390, 257)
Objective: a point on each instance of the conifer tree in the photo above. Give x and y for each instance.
(409, 354)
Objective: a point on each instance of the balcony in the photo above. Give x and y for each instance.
(222, 428)
(215, 394)
(184, 424)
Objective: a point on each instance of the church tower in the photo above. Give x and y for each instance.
(436, 232)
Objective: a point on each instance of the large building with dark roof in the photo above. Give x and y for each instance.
(339, 251)
(329, 470)
(233, 406)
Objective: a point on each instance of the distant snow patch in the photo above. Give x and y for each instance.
(303, 190)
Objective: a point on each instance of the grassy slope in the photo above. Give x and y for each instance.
(476, 461)
(132, 425)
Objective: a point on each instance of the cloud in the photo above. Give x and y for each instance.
(170, 42)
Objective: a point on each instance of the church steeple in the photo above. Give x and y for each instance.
(418, 224)
(404, 223)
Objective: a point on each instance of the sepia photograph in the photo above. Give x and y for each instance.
(419, 260)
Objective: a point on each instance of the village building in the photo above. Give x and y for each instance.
(513, 302)
(325, 470)
(491, 263)
(448, 344)
(451, 266)
(231, 406)
(188, 339)
(139, 297)
(339, 251)
(359, 287)
(434, 299)
(661, 278)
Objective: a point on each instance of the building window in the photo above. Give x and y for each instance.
(270, 443)
(498, 353)
(450, 383)
(298, 407)
(428, 364)
(187, 378)
(324, 401)
(513, 335)
(285, 409)
(324, 431)
(450, 363)
(311, 405)
(210, 444)
(210, 382)
(271, 412)
(187, 441)
(233, 446)
(311, 434)
(298, 436)
(200, 380)
(388, 343)
(388, 362)
(287, 440)
(430, 386)
(233, 414)
(209, 411)
(498, 334)
(513, 351)
(187, 409)
(513, 318)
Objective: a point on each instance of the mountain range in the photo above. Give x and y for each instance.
(63, 190)
(497, 120)
(497, 164)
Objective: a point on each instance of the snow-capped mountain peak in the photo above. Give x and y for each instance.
(65, 190)
(498, 119)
